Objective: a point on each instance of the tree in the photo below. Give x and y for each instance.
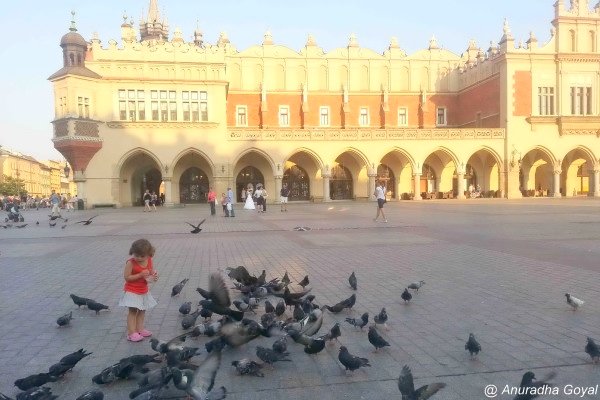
(12, 186)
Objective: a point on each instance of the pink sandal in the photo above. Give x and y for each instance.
(135, 337)
(145, 333)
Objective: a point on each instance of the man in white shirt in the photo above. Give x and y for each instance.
(380, 195)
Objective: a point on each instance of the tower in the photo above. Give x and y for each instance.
(153, 27)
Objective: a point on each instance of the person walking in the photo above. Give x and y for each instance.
(139, 270)
(283, 197)
(55, 201)
(380, 195)
(230, 202)
(147, 197)
(211, 198)
(153, 200)
(224, 204)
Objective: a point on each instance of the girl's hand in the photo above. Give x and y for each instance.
(145, 273)
(155, 276)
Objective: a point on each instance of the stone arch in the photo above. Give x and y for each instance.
(260, 160)
(351, 162)
(577, 176)
(536, 172)
(484, 169)
(438, 172)
(185, 161)
(302, 188)
(137, 170)
(401, 165)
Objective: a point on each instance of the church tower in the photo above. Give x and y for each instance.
(153, 27)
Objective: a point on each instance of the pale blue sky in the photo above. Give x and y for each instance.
(32, 30)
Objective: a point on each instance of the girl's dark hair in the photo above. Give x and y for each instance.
(142, 247)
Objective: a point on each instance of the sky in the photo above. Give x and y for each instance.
(30, 52)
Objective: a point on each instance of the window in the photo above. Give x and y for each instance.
(284, 116)
(546, 100)
(63, 105)
(441, 116)
(402, 117)
(83, 107)
(581, 100)
(363, 119)
(132, 106)
(195, 106)
(324, 116)
(241, 116)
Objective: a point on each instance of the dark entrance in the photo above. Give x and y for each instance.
(386, 175)
(298, 182)
(193, 186)
(340, 184)
(248, 175)
(151, 181)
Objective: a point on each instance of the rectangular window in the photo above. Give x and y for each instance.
(80, 106)
(441, 116)
(402, 116)
(122, 110)
(132, 106)
(164, 111)
(173, 110)
(195, 112)
(284, 116)
(204, 111)
(581, 100)
(195, 105)
(141, 110)
(154, 106)
(324, 116)
(186, 111)
(546, 100)
(240, 116)
(363, 119)
(132, 110)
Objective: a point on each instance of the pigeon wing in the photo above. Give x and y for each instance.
(201, 222)
(425, 392)
(405, 382)
(192, 225)
(204, 377)
(220, 293)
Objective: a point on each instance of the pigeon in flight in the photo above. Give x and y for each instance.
(304, 282)
(65, 319)
(375, 339)
(540, 386)
(472, 345)
(592, 349)
(196, 228)
(574, 301)
(200, 385)
(406, 296)
(352, 281)
(246, 366)
(416, 285)
(359, 323)
(179, 287)
(87, 221)
(407, 387)
(351, 362)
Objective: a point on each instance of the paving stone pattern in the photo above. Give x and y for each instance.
(496, 268)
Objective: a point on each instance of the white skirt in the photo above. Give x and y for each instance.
(139, 301)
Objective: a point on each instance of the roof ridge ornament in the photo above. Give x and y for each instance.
(433, 44)
(73, 27)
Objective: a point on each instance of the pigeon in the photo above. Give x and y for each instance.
(34, 381)
(241, 275)
(416, 285)
(407, 387)
(472, 345)
(592, 349)
(165, 347)
(86, 222)
(37, 222)
(185, 308)
(406, 296)
(142, 359)
(217, 297)
(269, 307)
(37, 393)
(286, 279)
(574, 301)
(177, 356)
(334, 333)
(375, 339)
(114, 372)
(359, 323)
(197, 228)
(280, 345)
(298, 313)
(352, 281)
(57, 370)
(79, 301)
(64, 226)
(73, 358)
(311, 345)
(242, 306)
(350, 301)
(304, 282)
(94, 394)
(206, 314)
(21, 226)
(246, 366)
(177, 288)
(189, 320)
(200, 386)
(65, 319)
(53, 217)
(541, 386)
(269, 356)
(52, 225)
(351, 362)
(280, 308)
(93, 305)
(381, 318)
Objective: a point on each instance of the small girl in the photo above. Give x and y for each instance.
(138, 272)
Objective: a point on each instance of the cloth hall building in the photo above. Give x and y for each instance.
(156, 112)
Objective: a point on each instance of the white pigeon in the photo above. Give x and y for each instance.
(574, 301)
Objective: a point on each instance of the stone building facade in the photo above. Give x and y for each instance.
(156, 112)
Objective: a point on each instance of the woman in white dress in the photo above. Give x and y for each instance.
(249, 205)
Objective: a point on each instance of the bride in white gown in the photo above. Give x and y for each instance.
(249, 200)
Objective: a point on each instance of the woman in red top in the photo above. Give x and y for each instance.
(211, 198)
(138, 272)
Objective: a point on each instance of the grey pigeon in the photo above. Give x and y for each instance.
(269, 356)
(189, 320)
(113, 373)
(359, 323)
(57, 370)
(205, 313)
(196, 228)
(94, 305)
(416, 285)
(79, 301)
(407, 387)
(217, 297)
(94, 394)
(311, 345)
(246, 366)
(540, 386)
(179, 287)
(375, 339)
(304, 282)
(269, 308)
(185, 308)
(200, 386)
(86, 222)
(73, 358)
(381, 318)
(286, 279)
(280, 345)
(65, 319)
(347, 303)
(242, 306)
(334, 333)
(280, 308)
(472, 345)
(37, 393)
(352, 281)
(350, 362)
(298, 313)
(164, 347)
(32, 381)
(406, 296)
(592, 349)
(142, 359)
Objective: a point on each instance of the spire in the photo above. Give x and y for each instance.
(153, 13)
(433, 43)
(73, 28)
(153, 27)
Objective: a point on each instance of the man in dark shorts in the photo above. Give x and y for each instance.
(380, 195)
(283, 197)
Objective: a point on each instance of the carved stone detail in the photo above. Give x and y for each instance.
(84, 128)
(158, 125)
(61, 128)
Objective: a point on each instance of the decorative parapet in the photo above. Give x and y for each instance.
(569, 125)
(159, 125)
(364, 134)
(76, 128)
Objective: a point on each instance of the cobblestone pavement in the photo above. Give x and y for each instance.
(497, 268)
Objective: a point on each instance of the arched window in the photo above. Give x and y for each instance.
(193, 186)
(79, 59)
(72, 59)
(248, 175)
(298, 182)
(386, 175)
(340, 183)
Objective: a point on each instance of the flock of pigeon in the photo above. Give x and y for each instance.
(288, 316)
(52, 222)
